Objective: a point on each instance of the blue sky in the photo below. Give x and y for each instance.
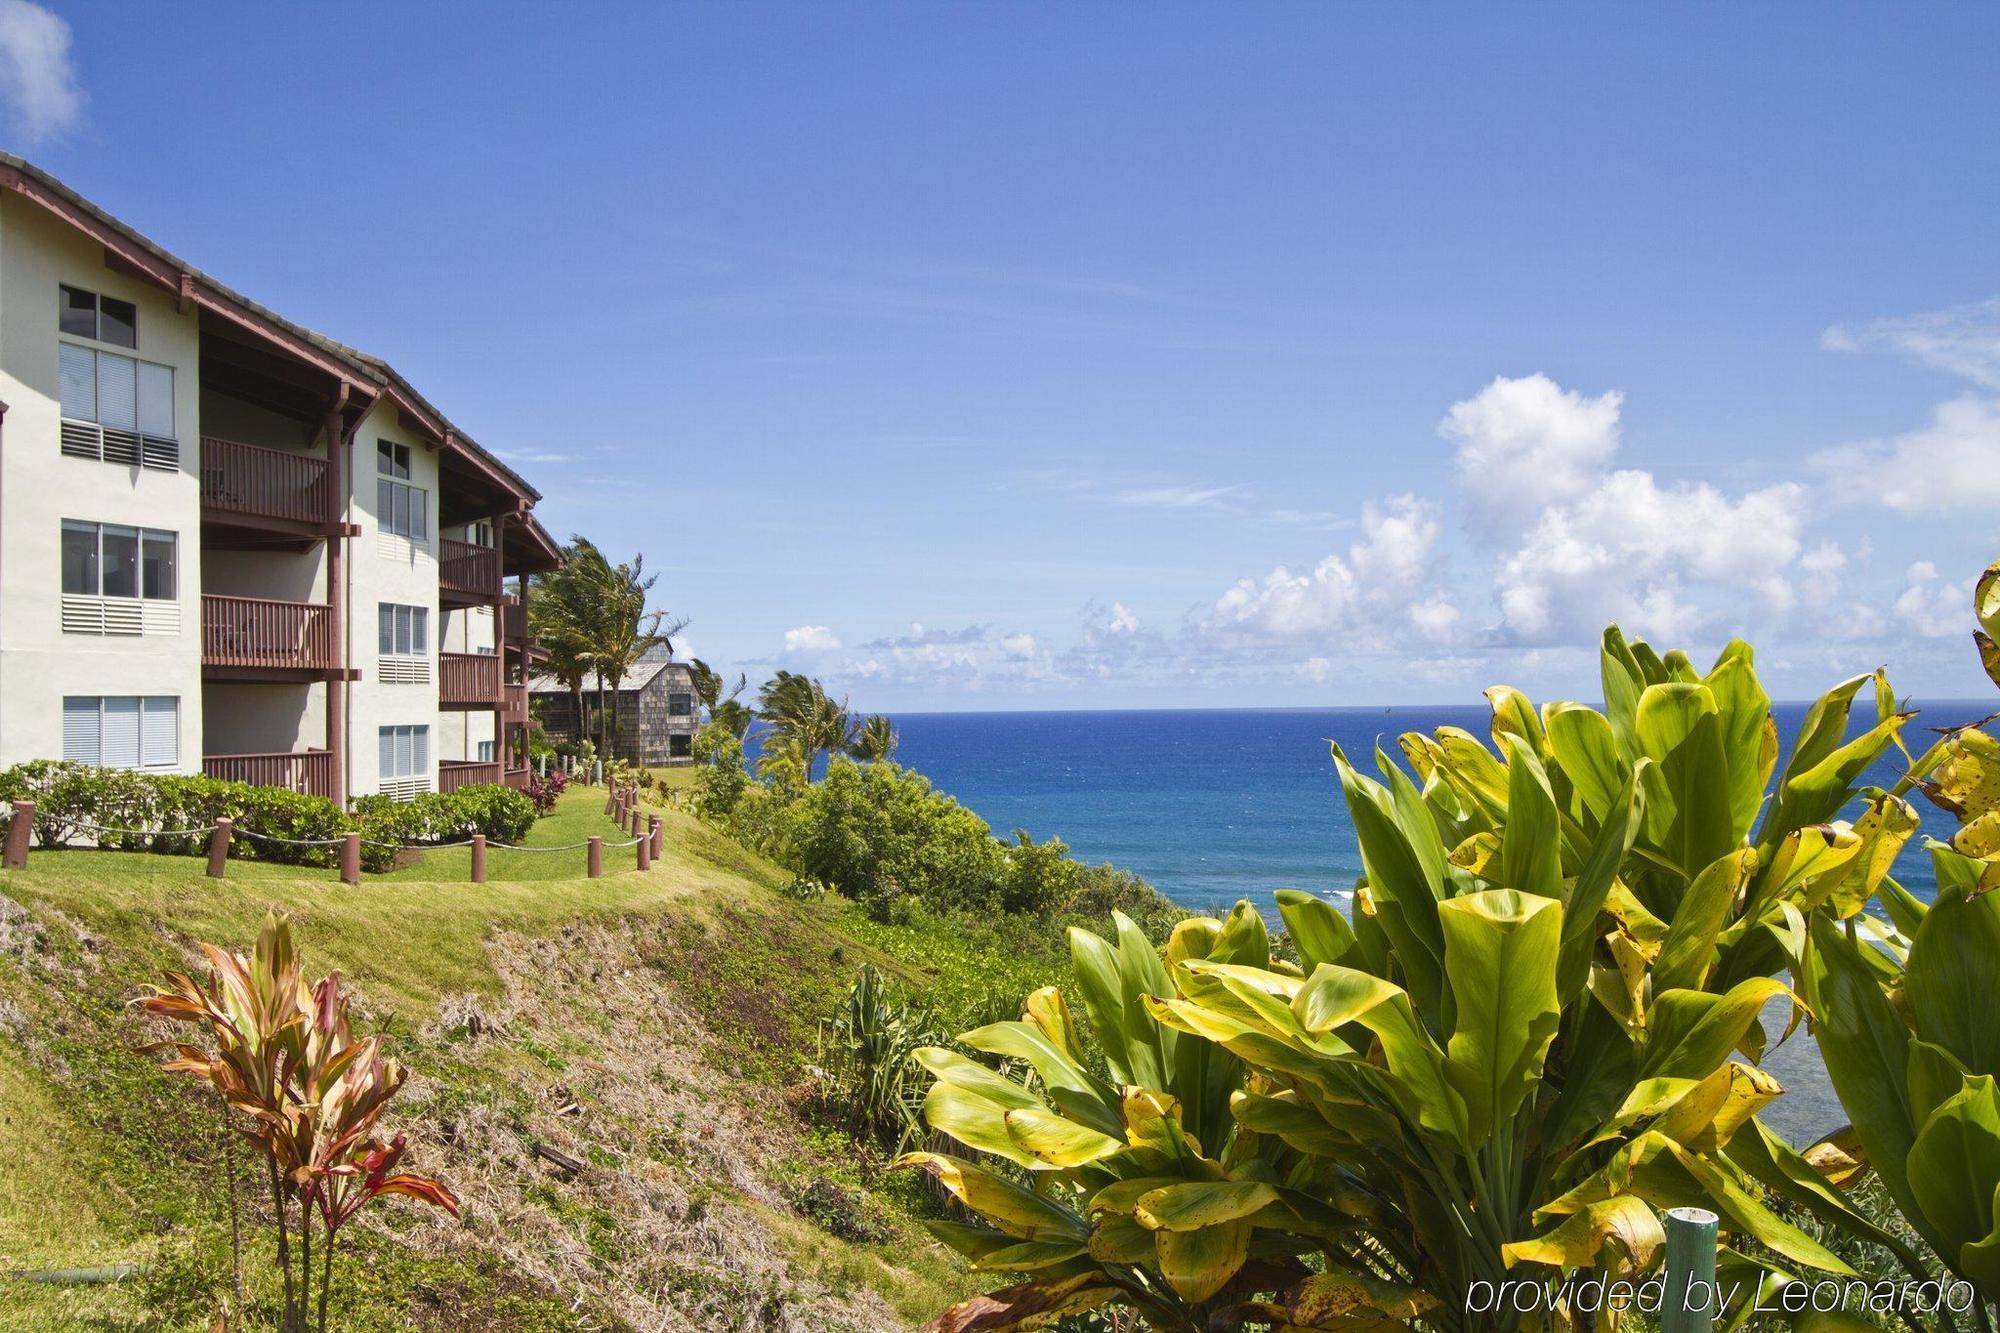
(1010, 356)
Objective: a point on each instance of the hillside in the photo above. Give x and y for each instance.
(653, 1026)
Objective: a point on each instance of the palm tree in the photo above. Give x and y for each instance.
(734, 714)
(874, 740)
(803, 719)
(592, 617)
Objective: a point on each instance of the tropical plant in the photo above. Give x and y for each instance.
(802, 722)
(866, 1054)
(281, 1054)
(874, 739)
(719, 777)
(1515, 1051)
(592, 619)
(1900, 1009)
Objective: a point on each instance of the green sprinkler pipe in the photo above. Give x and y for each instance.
(1690, 1298)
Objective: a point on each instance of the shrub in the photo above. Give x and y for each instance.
(869, 825)
(544, 791)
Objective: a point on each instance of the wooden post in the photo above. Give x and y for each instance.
(610, 803)
(656, 833)
(634, 826)
(594, 859)
(479, 858)
(218, 848)
(18, 834)
(645, 846)
(1690, 1298)
(350, 858)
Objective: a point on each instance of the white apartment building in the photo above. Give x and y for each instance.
(231, 545)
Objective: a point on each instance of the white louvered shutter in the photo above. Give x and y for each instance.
(156, 400)
(420, 751)
(80, 717)
(79, 383)
(385, 763)
(121, 731)
(160, 732)
(117, 392)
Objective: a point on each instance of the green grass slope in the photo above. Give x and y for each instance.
(656, 1026)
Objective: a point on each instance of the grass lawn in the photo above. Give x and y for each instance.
(410, 936)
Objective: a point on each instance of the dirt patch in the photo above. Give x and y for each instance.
(646, 1200)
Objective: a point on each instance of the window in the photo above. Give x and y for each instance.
(680, 747)
(406, 752)
(117, 409)
(106, 560)
(403, 631)
(108, 320)
(122, 730)
(485, 752)
(401, 509)
(680, 704)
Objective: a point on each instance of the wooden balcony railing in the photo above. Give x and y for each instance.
(456, 773)
(518, 778)
(514, 703)
(309, 771)
(469, 678)
(465, 567)
(262, 632)
(266, 483)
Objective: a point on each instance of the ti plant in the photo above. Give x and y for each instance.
(1518, 1048)
(280, 1052)
(1902, 1010)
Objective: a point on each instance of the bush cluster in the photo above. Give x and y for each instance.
(72, 798)
(882, 835)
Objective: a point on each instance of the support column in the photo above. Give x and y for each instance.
(336, 598)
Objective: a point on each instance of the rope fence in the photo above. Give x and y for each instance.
(621, 806)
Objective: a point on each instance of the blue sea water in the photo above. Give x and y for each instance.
(1216, 805)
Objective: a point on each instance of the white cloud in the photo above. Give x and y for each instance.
(1179, 497)
(1018, 647)
(1931, 606)
(810, 639)
(1314, 669)
(1527, 443)
(1374, 576)
(1953, 463)
(1435, 617)
(1621, 551)
(37, 79)
(1123, 621)
(1961, 340)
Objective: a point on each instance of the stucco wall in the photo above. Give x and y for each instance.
(39, 487)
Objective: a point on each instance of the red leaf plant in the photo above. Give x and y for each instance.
(281, 1054)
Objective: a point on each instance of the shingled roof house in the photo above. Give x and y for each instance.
(654, 714)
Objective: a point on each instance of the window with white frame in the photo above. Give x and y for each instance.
(680, 704)
(403, 643)
(117, 409)
(122, 730)
(401, 509)
(118, 579)
(406, 752)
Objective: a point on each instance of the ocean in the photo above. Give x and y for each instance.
(1216, 805)
(1212, 806)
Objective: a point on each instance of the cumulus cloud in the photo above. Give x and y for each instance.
(1376, 574)
(1314, 669)
(810, 639)
(1932, 606)
(1961, 340)
(921, 636)
(1621, 551)
(1526, 443)
(37, 77)
(1018, 647)
(1952, 463)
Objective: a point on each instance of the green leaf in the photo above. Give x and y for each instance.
(1202, 1203)
(1586, 748)
(1500, 951)
(1197, 1264)
(1587, 895)
(1318, 929)
(1955, 1164)
(1953, 975)
(1749, 733)
(1679, 727)
(1698, 921)
(1531, 841)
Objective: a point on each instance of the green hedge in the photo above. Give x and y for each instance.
(69, 796)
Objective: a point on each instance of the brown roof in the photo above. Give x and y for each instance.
(369, 373)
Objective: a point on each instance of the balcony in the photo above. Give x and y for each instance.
(309, 771)
(469, 680)
(467, 573)
(514, 704)
(456, 773)
(251, 488)
(258, 638)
